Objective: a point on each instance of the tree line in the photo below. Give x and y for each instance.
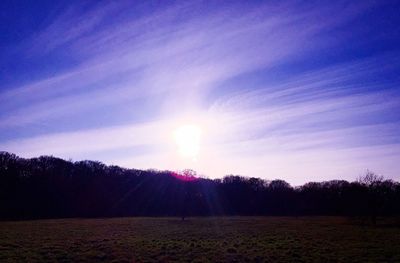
(49, 187)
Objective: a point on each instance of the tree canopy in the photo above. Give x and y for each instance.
(50, 187)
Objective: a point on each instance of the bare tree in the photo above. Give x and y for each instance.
(375, 200)
(370, 179)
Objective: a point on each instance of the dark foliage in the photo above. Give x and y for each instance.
(49, 187)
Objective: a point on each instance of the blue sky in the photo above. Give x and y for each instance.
(297, 90)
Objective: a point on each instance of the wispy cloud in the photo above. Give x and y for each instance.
(156, 53)
(164, 62)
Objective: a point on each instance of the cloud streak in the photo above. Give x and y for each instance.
(155, 67)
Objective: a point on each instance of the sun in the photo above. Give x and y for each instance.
(187, 139)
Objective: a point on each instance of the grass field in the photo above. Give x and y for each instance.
(231, 239)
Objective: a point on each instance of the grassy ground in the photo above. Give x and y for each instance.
(232, 239)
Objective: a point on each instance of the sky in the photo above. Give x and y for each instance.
(296, 90)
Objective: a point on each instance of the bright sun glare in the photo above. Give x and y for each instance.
(187, 138)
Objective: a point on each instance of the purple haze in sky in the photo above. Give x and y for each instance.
(301, 91)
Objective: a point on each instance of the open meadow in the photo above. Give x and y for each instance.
(225, 239)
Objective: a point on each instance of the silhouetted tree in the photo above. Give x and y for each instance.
(49, 187)
(378, 193)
